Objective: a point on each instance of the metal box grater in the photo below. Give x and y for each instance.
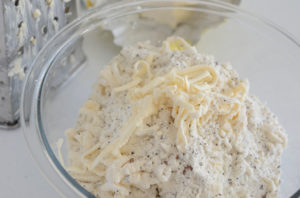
(25, 27)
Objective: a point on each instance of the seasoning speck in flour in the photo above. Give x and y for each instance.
(169, 122)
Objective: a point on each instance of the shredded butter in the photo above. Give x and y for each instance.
(169, 122)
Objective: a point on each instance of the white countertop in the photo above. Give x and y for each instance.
(20, 177)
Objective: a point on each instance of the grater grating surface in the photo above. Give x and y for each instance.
(25, 27)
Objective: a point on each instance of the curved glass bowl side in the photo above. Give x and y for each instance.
(30, 120)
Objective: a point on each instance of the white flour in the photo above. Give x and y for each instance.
(170, 122)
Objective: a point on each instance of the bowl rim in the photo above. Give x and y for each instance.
(31, 122)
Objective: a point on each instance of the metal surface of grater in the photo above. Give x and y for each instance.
(25, 27)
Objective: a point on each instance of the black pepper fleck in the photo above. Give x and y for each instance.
(157, 192)
(186, 168)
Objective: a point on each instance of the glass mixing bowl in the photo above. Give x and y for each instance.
(259, 50)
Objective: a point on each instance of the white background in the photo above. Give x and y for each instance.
(19, 175)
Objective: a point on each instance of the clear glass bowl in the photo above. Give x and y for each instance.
(260, 51)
